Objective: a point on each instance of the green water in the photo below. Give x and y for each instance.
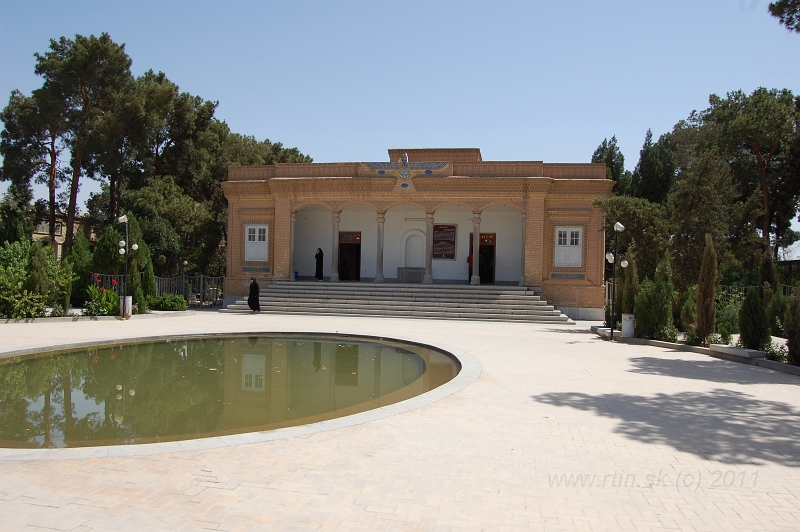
(199, 387)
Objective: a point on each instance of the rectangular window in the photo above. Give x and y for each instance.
(569, 247)
(256, 243)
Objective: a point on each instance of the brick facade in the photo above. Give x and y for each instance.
(547, 195)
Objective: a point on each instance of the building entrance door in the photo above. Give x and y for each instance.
(350, 255)
(486, 257)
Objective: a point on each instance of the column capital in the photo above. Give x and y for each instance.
(476, 217)
(381, 217)
(336, 216)
(429, 217)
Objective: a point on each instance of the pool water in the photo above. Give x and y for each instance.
(187, 388)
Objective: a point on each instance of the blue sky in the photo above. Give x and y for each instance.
(345, 80)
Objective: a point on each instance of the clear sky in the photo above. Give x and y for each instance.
(345, 80)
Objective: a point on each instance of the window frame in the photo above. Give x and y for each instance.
(252, 247)
(568, 250)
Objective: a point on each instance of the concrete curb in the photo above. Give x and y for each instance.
(603, 332)
(149, 315)
(469, 373)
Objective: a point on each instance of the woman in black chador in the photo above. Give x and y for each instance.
(252, 299)
(318, 272)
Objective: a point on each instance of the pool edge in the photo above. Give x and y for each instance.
(469, 373)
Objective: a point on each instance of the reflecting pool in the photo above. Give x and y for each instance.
(192, 387)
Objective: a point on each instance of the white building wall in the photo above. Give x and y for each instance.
(507, 225)
(314, 229)
(394, 230)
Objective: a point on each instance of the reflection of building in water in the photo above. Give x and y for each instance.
(253, 368)
(269, 382)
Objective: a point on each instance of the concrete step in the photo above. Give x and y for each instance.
(543, 311)
(398, 298)
(560, 318)
(443, 301)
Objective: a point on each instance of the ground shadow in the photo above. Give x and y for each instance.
(571, 331)
(712, 370)
(723, 425)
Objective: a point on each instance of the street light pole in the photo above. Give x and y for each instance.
(618, 228)
(123, 250)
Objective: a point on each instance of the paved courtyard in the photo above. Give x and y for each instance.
(561, 431)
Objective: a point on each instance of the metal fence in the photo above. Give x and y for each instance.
(198, 290)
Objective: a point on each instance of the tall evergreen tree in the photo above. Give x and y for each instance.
(608, 152)
(89, 72)
(707, 291)
(653, 175)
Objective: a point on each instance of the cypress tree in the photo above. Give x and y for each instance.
(707, 291)
(791, 325)
(630, 286)
(753, 328)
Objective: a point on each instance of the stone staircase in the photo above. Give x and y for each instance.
(438, 301)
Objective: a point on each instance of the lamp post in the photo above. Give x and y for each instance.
(618, 228)
(123, 250)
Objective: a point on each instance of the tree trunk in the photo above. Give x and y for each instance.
(73, 200)
(112, 198)
(51, 185)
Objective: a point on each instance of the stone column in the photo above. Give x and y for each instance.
(476, 248)
(522, 255)
(379, 258)
(292, 221)
(335, 249)
(428, 279)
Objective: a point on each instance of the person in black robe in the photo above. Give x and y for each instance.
(252, 299)
(318, 258)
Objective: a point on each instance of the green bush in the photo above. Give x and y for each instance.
(668, 333)
(728, 312)
(26, 305)
(714, 338)
(167, 302)
(725, 332)
(775, 351)
(30, 279)
(689, 308)
(776, 311)
(693, 336)
(754, 331)
(791, 325)
(101, 302)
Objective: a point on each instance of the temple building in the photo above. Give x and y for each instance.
(418, 218)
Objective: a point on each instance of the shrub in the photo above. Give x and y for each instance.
(791, 325)
(693, 336)
(167, 302)
(101, 302)
(714, 338)
(775, 351)
(689, 308)
(728, 312)
(754, 332)
(654, 302)
(667, 333)
(725, 332)
(776, 311)
(27, 305)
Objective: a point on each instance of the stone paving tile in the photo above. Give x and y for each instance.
(562, 431)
